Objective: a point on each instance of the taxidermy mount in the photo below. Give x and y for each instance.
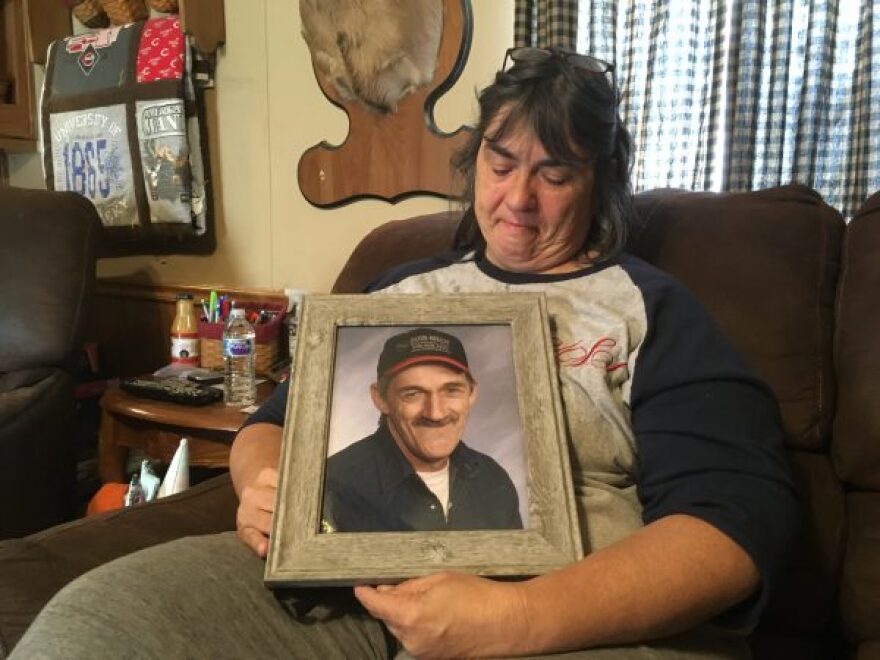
(388, 88)
(375, 51)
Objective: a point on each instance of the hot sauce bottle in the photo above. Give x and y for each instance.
(185, 332)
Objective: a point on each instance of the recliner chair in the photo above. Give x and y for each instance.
(47, 273)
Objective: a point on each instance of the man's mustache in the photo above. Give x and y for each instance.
(436, 423)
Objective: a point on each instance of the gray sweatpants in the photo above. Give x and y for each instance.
(203, 597)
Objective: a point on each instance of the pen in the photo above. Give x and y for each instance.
(212, 307)
(205, 312)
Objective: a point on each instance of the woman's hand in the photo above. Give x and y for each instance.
(255, 508)
(253, 466)
(450, 614)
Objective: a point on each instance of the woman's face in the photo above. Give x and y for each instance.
(533, 211)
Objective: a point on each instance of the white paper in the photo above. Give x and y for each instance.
(177, 478)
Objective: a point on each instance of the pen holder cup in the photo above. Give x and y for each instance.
(268, 339)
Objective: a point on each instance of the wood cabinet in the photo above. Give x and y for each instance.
(205, 21)
(26, 29)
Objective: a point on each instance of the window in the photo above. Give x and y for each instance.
(745, 95)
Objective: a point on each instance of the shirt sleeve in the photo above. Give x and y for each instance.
(709, 437)
(273, 409)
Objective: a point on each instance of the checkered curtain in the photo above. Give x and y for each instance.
(546, 23)
(667, 54)
(800, 105)
(805, 108)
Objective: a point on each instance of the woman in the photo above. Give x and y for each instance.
(685, 503)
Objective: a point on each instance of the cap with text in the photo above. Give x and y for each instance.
(418, 346)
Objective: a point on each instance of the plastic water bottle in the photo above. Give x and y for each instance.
(238, 357)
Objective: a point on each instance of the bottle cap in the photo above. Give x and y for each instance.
(184, 296)
(237, 311)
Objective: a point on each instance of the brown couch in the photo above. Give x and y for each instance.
(796, 290)
(47, 268)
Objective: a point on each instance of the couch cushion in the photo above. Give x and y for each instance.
(37, 461)
(868, 651)
(804, 601)
(765, 264)
(772, 646)
(856, 445)
(21, 389)
(860, 585)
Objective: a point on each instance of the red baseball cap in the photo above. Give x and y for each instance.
(418, 346)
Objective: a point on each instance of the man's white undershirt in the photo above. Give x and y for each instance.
(438, 483)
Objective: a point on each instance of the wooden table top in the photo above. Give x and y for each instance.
(213, 416)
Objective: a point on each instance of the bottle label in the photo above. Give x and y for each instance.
(238, 347)
(185, 350)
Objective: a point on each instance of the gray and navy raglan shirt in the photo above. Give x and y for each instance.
(662, 414)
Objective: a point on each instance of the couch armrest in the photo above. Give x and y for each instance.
(34, 568)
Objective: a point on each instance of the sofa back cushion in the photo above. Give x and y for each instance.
(765, 264)
(47, 270)
(856, 442)
(857, 345)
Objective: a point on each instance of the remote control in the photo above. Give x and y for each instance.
(175, 390)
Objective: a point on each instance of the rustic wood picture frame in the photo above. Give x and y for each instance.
(300, 555)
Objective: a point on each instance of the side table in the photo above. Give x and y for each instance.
(156, 427)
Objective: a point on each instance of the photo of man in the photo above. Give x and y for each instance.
(414, 473)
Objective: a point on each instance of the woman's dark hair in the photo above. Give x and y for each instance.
(573, 112)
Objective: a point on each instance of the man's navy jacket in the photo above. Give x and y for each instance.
(371, 487)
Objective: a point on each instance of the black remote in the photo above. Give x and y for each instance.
(175, 390)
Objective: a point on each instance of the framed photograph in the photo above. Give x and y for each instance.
(423, 433)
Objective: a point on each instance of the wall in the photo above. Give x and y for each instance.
(269, 110)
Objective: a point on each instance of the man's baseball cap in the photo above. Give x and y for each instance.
(421, 345)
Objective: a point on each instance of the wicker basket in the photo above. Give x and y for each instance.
(122, 12)
(165, 6)
(268, 340)
(91, 14)
(212, 355)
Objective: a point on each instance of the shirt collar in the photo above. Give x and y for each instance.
(394, 469)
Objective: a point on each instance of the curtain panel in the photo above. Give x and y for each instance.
(803, 106)
(667, 54)
(740, 94)
(544, 23)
